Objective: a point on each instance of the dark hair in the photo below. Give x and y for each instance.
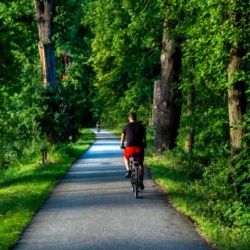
(132, 115)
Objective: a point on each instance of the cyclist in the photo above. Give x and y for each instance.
(134, 133)
(98, 125)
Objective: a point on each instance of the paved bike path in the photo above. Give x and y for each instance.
(93, 208)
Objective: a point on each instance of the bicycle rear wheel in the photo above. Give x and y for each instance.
(136, 183)
(132, 181)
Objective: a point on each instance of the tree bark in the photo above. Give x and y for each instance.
(190, 136)
(236, 105)
(44, 16)
(168, 118)
(156, 102)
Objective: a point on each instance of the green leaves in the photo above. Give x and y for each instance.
(18, 97)
(126, 39)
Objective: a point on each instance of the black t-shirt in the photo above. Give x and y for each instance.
(135, 132)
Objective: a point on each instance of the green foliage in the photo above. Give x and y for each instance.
(242, 173)
(125, 57)
(205, 32)
(73, 38)
(30, 114)
(115, 49)
(19, 97)
(215, 27)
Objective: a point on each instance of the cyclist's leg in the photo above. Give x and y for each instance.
(126, 161)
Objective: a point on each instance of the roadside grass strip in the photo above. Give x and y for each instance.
(193, 199)
(24, 189)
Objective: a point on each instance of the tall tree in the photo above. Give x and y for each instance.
(169, 111)
(236, 92)
(190, 134)
(45, 11)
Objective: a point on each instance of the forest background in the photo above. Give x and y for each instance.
(183, 66)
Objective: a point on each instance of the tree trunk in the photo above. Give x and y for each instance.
(168, 117)
(156, 102)
(190, 136)
(236, 105)
(44, 17)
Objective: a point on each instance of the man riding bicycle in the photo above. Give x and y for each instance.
(134, 133)
(98, 124)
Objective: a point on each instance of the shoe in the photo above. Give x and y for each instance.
(128, 175)
(141, 186)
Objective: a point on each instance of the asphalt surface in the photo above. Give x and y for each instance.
(93, 208)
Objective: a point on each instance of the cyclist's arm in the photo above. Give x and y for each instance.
(122, 140)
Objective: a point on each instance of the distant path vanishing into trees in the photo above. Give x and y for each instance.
(93, 208)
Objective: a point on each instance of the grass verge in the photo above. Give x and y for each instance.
(201, 203)
(24, 188)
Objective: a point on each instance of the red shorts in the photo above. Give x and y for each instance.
(137, 151)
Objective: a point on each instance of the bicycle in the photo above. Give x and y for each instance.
(135, 174)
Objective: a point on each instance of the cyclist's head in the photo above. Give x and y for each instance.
(132, 116)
